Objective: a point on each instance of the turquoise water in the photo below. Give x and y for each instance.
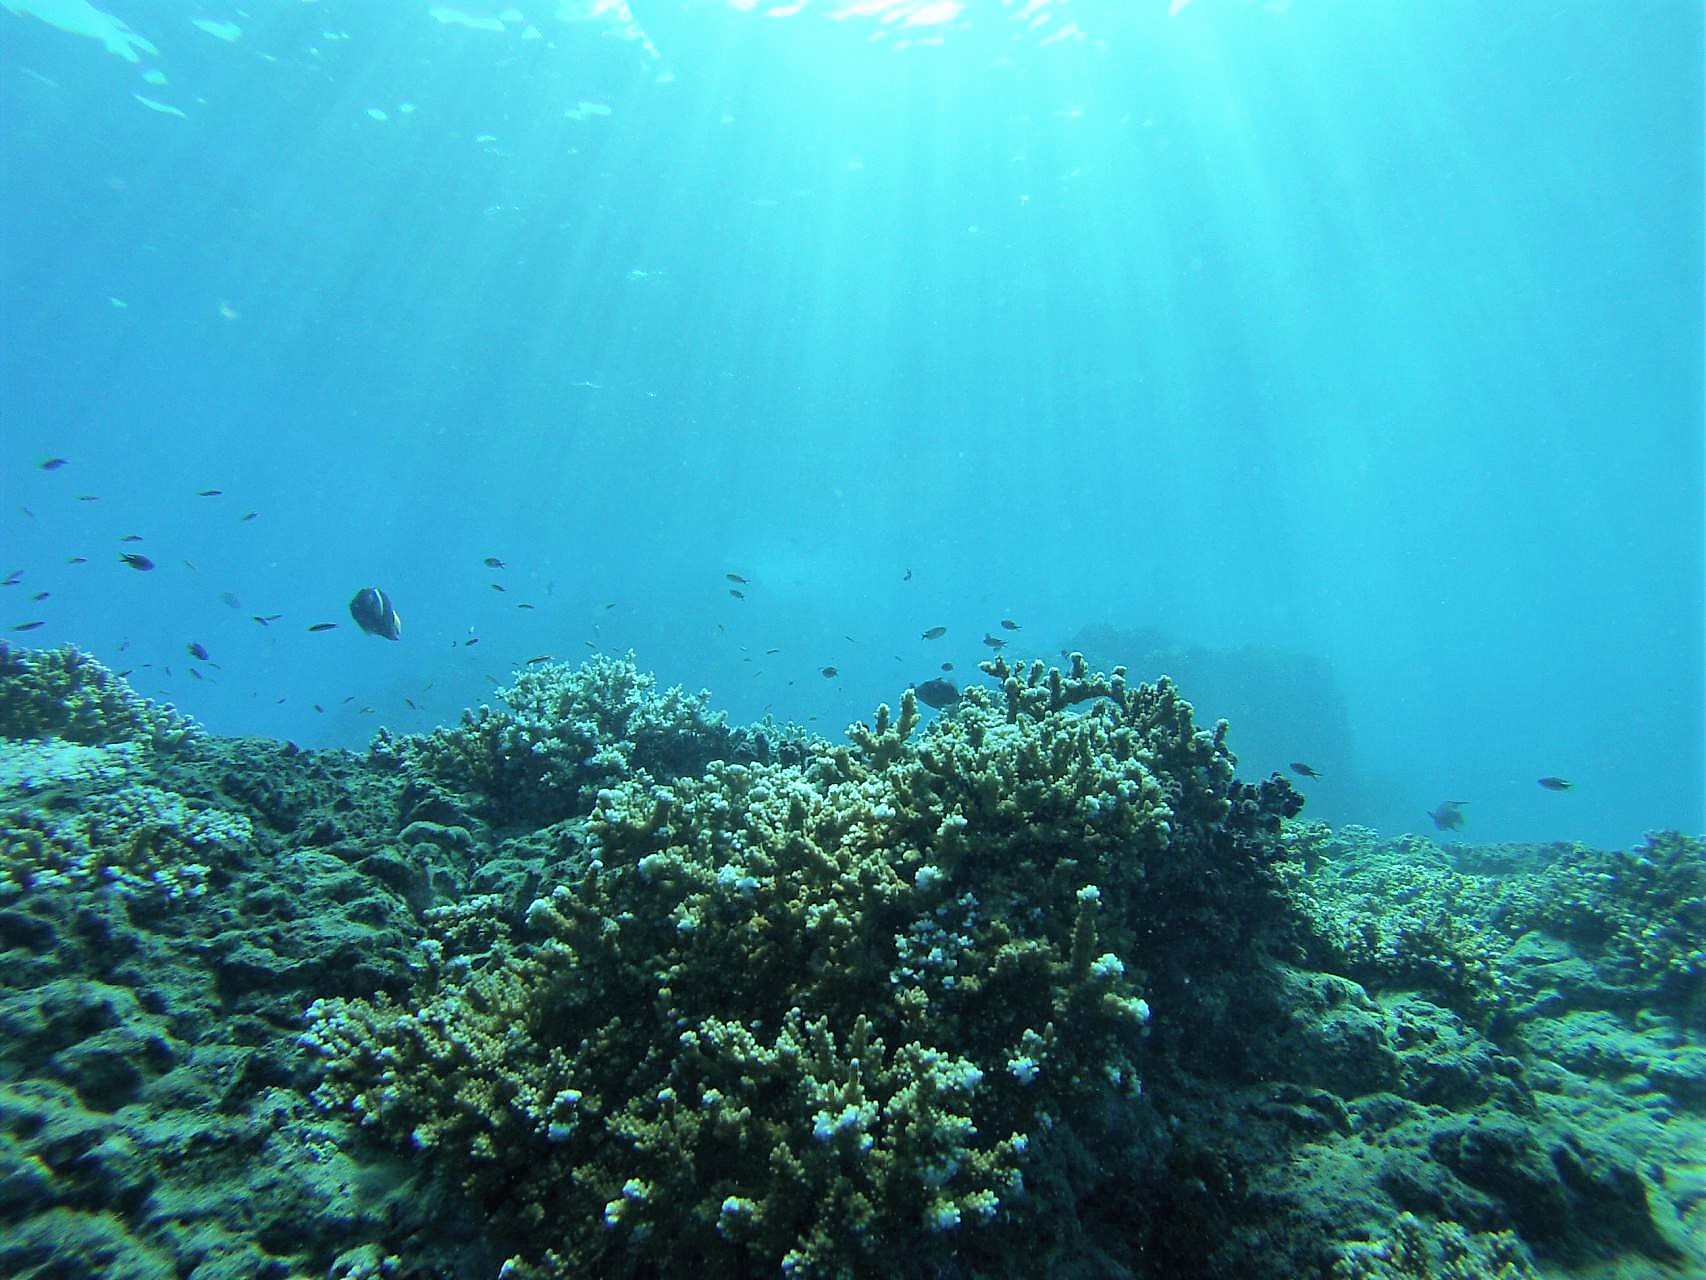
(1349, 351)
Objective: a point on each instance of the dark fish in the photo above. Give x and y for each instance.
(1556, 784)
(413, 706)
(39, 596)
(28, 626)
(738, 595)
(208, 493)
(994, 642)
(190, 565)
(947, 666)
(768, 652)
(470, 640)
(735, 577)
(610, 606)
(52, 464)
(198, 675)
(829, 673)
(1303, 770)
(499, 587)
(373, 613)
(88, 497)
(908, 577)
(197, 650)
(319, 708)
(137, 561)
(267, 619)
(935, 633)
(324, 626)
(525, 605)
(78, 560)
(492, 562)
(229, 600)
(131, 537)
(937, 693)
(12, 578)
(1009, 625)
(1449, 815)
(251, 515)
(537, 658)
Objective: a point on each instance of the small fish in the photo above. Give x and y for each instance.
(937, 693)
(736, 578)
(131, 537)
(53, 464)
(251, 515)
(88, 497)
(498, 586)
(737, 594)
(373, 613)
(537, 658)
(492, 562)
(324, 626)
(198, 675)
(768, 652)
(935, 633)
(947, 666)
(12, 578)
(1449, 815)
(28, 626)
(829, 673)
(908, 577)
(1008, 624)
(471, 640)
(994, 642)
(1556, 784)
(78, 560)
(190, 565)
(208, 493)
(319, 708)
(39, 596)
(229, 600)
(137, 561)
(1303, 770)
(197, 650)
(413, 706)
(610, 606)
(525, 605)
(267, 619)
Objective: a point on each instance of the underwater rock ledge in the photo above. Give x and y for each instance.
(596, 983)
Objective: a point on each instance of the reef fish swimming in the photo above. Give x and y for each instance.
(1449, 815)
(373, 613)
(937, 693)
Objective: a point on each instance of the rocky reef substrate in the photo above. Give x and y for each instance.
(595, 983)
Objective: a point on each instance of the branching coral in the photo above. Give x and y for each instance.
(64, 693)
(867, 1012)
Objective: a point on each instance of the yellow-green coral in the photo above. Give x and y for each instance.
(867, 1012)
(64, 693)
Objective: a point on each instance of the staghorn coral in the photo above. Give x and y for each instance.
(64, 693)
(872, 1011)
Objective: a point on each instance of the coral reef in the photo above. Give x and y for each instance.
(1040, 989)
(565, 732)
(65, 694)
(868, 1012)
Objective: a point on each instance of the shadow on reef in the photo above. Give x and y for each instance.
(594, 983)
